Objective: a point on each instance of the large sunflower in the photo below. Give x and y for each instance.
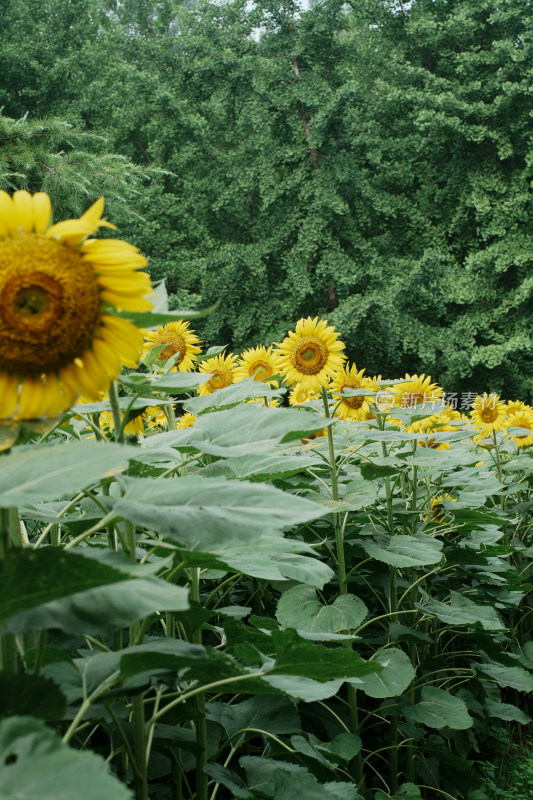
(311, 355)
(258, 363)
(521, 419)
(352, 407)
(179, 339)
(57, 338)
(222, 368)
(488, 413)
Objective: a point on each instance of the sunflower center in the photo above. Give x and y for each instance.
(489, 415)
(176, 344)
(352, 402)
(311, 356)
(49, 305)
(260, 370)
(218, 380)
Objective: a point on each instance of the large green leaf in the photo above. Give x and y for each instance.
(506, 711)
(80, 591)
(463, 611)
(268, 467)
(514, 677)
(393, 680)
(172, 382)
(244, 430)
(440, 709)
(272, 714)
(33, 474)
(404, 551)
(30, 694)
(230, 396)
(36, 765)
(279, 780)
(206, 512)
(300, 608)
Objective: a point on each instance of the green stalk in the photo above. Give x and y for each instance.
(115, 411)
(171, 417)
(8, 642)
(201, 728)
(339, 534)
(356, 767)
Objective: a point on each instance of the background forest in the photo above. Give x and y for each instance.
(366, 161)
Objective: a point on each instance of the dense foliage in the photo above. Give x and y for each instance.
(372, 161)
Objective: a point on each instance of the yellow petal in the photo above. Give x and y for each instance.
(71, 231)
(107, 357)
(42, 211)
(32, 401)
(59, 399)
(8, 215)
(23, 203)
(95, 371)
(9, 386)
(124, 302)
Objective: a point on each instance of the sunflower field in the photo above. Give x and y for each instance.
(262, 575)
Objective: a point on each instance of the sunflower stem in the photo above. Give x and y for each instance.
(201, 729)
(171, 417)
(115, 411)
(8, 642)
(356, 766)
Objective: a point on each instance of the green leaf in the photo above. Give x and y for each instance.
(440, 709)
(371, 471)
(230, 780)
(244, 430)
(300, 608)
(407, 791)
(210, 513)
(463, 611)
(133, 403)
(36, 764)
(343, 748)
(172, 383)
(404, 551)
(48, 472)
(397, 674)
(515, 677)
(29, 578)
(506, 711)
(230, 396)
(269, 467)
(150, 319)
(279, 780)
(30, 694)
(272, 714)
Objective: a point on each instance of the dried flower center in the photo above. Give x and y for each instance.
(176, 344)
(310, 357)
(49, 305)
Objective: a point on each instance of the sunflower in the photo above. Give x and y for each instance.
(352, 407)
(521, 419)
(311, 355)
(135, 426)
(417, 390)
(437, 512)
(222, 368)
(488, 413)
(57, 338)
(514, 406)
(186, 421)
(180, 340)
(298, 395)
(258, 363)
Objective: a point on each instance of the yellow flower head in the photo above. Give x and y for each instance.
(57, 338)
(352, 407)
(258, 363)
(186, 421)
(298, 395)
(223, 369)
(521, 419)
(179, 340)
(488, 413)
(514, 406)
(437, 511)
(311, 355)
(418, 391)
